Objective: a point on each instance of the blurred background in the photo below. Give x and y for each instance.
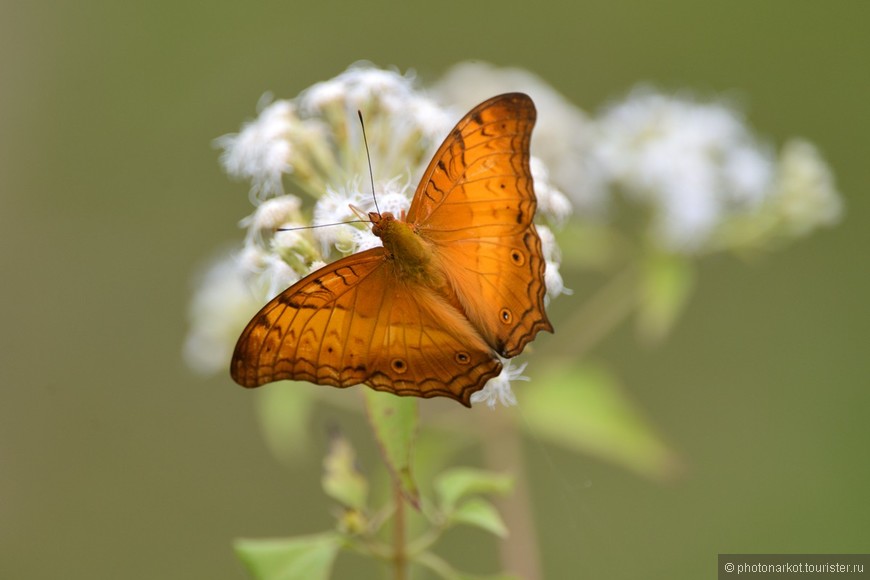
(117, 462)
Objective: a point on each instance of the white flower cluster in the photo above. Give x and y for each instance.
(315, 144)
(699, 169)
(693, 163)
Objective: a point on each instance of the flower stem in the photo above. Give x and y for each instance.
(503, 451)
(602, 312)
(400, 556)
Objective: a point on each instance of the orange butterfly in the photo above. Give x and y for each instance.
(458, 280)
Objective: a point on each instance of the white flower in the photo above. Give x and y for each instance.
(261, 151)
(394, 196)
(361, 86)
(221, 306)
(806, 196)
(803, 198)
(271, 215)
(294, 247)
(264, 273)
(552, 259)
(278, 275)
(694, 164)
(552, 203)
(402, 124)
(335, 207)
(498, 390)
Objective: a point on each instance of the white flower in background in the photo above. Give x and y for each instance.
(708, 182)
(803, 198)
(806, 197)
(222, 304)
(314, 143)
(693, 164)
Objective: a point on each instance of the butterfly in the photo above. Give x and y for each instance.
(458, 282)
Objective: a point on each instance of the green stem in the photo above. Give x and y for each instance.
(400, 556)
(502, 447)
(602, 312)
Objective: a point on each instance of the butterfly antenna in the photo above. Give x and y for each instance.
(369, 158)
(295, 228)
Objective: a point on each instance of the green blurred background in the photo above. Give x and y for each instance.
(117, 462)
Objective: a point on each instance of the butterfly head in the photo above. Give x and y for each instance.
(381, 222)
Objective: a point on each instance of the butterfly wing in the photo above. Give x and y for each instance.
(476, 203)
(354, 321)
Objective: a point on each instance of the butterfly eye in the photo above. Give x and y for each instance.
(399, 365)
(462, 358)
(517, 258)
(506, 316)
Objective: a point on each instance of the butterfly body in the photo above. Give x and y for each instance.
(409, 253)
(458, 280)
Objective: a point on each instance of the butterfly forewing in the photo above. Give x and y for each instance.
(354, 322)
(304, 332)
(476, 204)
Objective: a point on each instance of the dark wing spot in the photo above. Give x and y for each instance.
(517, 257)
(398, 365)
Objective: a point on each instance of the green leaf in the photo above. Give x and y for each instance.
(459, 483)
(301, 558)
(394, 421)
(444, 570)
(667, 281)
(482, 514)
(342, 480)
(583, 408)
(284, 410)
